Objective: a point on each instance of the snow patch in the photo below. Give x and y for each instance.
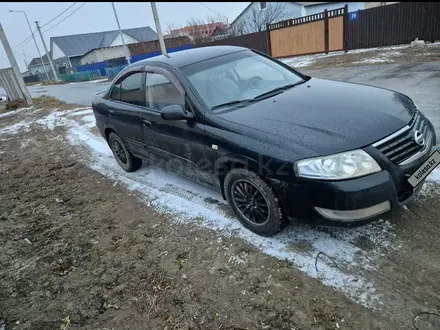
(14, 112)
(307, 60)
(353, 249)
(434, 176)
(90, 81)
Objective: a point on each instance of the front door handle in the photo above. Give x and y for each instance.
(146, 123)
(111, 113)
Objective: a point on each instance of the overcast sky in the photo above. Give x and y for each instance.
(96, 17)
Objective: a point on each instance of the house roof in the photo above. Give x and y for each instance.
(79, 44)
(37, 61)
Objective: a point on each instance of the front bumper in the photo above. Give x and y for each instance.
(351, 202)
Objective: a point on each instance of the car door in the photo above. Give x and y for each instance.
(126, 100)
(177, 144)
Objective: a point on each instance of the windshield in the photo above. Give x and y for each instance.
(229, 79)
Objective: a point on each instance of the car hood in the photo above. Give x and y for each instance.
(324, 116)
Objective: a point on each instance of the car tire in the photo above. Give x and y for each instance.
(123, 156)
(235, 181)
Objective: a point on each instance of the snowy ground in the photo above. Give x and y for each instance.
(375, 55)
(185, 200)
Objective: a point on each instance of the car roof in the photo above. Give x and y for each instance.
(193, 55)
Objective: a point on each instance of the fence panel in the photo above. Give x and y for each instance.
(257, 40)
(317, 33)
(300, 39)
(336, 33)
(431, 27)
(81, 76)
(394, 24)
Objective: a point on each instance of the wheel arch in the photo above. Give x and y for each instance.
(226, 163)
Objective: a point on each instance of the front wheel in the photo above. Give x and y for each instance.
(123, 156)
(254, 202)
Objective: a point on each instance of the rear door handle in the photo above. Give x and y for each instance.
(146, 123)
(111, 113)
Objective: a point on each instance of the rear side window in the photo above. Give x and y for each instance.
(131, 89)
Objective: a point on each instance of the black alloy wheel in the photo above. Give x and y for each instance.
(254, 202)
(123, 156)
(119, 151)
(250, 201)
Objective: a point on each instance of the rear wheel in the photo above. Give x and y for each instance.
(123, 156)
(254, 202)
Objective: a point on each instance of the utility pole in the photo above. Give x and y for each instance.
(158, 29)
(55, 74)
(128, 57)
(14, 65)
(35, 41)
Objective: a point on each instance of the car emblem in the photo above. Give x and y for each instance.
(419, 138)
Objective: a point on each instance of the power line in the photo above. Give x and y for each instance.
(73, 12)
(29, 37)
(53, 19)
(210, 9)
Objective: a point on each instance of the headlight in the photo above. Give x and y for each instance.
(346, 165)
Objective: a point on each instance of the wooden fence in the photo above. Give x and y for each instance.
(318, 33)
(394, 24)
(257, 40)
(338, 29)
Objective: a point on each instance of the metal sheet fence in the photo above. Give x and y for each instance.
(81, 76)
(257, 40)
(393, 24)
(113, 72)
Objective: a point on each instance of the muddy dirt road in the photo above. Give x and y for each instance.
(152, 250)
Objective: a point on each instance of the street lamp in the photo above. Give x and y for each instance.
(33, 37)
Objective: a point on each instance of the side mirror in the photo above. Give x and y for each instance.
(175, 112)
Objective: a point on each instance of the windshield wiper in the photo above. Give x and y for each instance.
(233, 103)
(278, 90)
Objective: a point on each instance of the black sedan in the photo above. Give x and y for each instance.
(277, 143)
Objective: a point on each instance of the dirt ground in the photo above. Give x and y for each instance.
(80, 251)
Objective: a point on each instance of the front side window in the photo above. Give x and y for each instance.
(161, 92)
(263, 5)
(238, 76)
(116, 92)
(131, 89)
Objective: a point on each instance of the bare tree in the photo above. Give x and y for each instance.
(198, 30)
(258, 19)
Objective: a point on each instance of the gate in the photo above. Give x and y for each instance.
(317, 33)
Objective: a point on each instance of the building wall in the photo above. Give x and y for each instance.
(127, 40)
(105, 54)
(38, 68)
(352, 6)
(90, 57)
(291, 10)
(377, 4)
(56, 51)
(63, 62)
(153, 46)
(75, 61)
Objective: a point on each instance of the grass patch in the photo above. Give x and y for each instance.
(46, 100)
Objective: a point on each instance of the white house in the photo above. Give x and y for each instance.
(257, 14)
(70, 49)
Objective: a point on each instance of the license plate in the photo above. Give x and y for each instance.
(427, 167)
